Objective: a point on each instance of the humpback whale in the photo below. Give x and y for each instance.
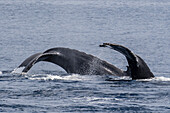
(74, 61)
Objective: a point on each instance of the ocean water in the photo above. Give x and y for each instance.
(32, 26)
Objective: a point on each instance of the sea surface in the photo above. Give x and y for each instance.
(32, 26)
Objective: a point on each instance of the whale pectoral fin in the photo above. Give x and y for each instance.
(137, 67)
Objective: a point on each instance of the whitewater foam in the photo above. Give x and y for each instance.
(74, 77)
(156, 79)
(161, 78)
(18, 70)
(0, 72)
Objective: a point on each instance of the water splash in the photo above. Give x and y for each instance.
(156, 79)
(161, 78)
(77, 77)
(0, 72)
(73, 77)
(18, 70)
(93, 65)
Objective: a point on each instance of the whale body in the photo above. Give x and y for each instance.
(74, 61)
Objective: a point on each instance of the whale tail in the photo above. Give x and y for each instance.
(33, 59)
(137, 68)
(29, 62)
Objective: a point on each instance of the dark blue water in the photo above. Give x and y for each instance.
(28, 27)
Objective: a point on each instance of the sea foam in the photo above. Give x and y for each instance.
(156, 79)
(18, 70)
(74, 77)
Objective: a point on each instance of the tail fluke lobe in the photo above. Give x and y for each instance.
(137, 67)
(29, 62)
(125, 51)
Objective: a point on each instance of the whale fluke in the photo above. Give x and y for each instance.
(74, 61)
(137, 68)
